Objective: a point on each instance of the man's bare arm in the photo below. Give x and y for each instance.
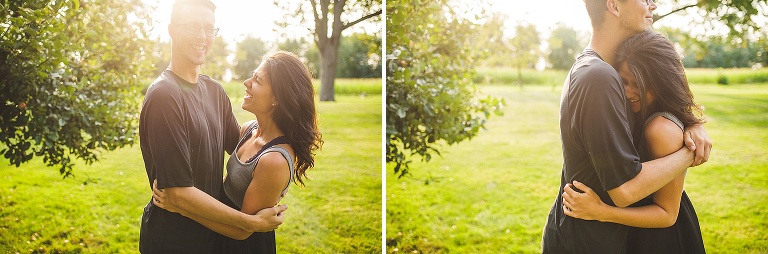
(160, 200)
(654, 175)
(697, 139)
(198, 203)
(657, 173)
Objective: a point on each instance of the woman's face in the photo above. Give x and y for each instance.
(631, 90)
(258, 93)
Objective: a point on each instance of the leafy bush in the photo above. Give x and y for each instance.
(430, 95)
(722, 79)
(69, 75)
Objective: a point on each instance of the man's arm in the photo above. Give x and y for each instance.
(697, 139)
(159, 199)
(197, 203)
(654, 175)
(657, 173)
(662, 137)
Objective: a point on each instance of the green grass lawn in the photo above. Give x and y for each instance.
(493, 193)
(549, 77)
(339, 210)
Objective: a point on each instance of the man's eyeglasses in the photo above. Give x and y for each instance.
(194, 29)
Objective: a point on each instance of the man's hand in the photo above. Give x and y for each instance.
(269, 218)
(697, 140)
(585, 206)
(158, 198)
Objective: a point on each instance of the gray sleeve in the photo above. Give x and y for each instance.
(167, 139)
(605, 129)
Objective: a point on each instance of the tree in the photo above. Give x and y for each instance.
(524, 48)
(737, 15)
(216, 63)
(69, 78)
(297, 46)
(313, 61)
(248, 56)
(329, 21)
(161, 53)
(430, 97)
(716, 51)
(564, 44)
(493, 49)
(356, 57)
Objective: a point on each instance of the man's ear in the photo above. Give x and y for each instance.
(170, 30)
(612, 7)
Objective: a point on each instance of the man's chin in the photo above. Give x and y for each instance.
(196, 61)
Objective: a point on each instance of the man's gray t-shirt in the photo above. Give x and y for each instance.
(598, 151)
(184, 130)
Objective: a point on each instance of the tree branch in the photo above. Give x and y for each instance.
(338, 25)
(361, 19)
(673, 11)
(314, 10)
(321, 22)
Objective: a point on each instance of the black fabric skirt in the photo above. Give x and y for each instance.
(258, 242)
(682, 237)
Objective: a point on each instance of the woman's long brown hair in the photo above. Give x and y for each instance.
(658, 69)
(295, 112)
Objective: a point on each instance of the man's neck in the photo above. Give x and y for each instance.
(606, 42)
(184, 69)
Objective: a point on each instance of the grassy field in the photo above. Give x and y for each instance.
(493, 193)
(509, 76)
(99, 211)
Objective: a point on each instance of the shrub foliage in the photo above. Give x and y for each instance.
(430, 94)
(69, 77)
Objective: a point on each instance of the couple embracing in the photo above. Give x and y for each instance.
(630, 129)
(187, 124)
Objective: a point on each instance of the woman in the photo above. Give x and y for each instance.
(662, 102)
(275, 149)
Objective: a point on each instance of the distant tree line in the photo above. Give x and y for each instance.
(359, 56)
(719, 51)
(521, 50)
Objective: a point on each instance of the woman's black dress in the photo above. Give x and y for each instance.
(682, 237)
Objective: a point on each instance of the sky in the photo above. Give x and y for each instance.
(235, 19)
(238, 18)
(545, 14)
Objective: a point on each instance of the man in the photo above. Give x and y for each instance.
(597, 141)
(186, 125)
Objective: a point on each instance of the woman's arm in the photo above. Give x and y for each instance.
(270, 177)
(662, 137)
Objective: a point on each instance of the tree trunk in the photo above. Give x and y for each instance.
(328, 64)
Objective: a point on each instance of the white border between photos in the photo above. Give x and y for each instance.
(383, 127)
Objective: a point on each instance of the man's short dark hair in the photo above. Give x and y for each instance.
(596, 10)
(181, 4)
